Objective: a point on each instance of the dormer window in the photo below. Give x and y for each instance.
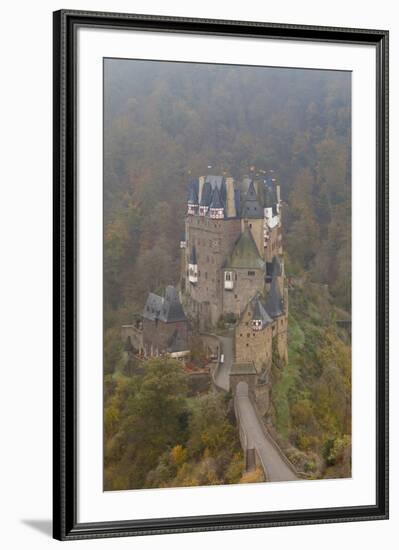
(192, 209)
(203, 210)
(228, 280)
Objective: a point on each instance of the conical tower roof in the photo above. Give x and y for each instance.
(251, 208)
(260, 313)
(274, 301)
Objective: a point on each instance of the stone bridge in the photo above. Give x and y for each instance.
(258, 445)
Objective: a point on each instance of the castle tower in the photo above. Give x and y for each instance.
(272, 219)
(211, 232)
(193, 267)
(277, 309)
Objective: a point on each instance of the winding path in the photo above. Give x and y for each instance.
(222, 375)
(274, 464)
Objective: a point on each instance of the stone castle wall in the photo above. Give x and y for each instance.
(246, 283)
(253, 345)
(213, 240)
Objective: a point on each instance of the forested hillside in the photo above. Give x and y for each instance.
(165, 123)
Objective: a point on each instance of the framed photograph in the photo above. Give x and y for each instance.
(220, 274)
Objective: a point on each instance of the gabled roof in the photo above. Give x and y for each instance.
(215, 181)
(172, 310)
(245, 253)
(193, 256)
(216, 201)
(206, 194)
(274, 301)
(251, 207)
(168, 309)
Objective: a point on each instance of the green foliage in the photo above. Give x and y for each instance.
(157, 437)
(312, 394)
(112, 350)
(163, 124)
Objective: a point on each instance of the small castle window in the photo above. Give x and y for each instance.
(251, 273)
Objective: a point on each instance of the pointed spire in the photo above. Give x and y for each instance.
(260, 317)
(251, 206)
(193, 192)
(206, 194)
(216, 201)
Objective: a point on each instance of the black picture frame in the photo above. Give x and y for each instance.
(66, 527)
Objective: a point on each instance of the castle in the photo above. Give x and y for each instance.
(232, 264)
(232, 272)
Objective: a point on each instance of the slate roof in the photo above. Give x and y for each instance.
(172, 310)
(215, 181)
(249, 200)
(251, 207)
(274, 301)
(273, 268)
(216, 201)
(206, 194)
(245, 253)
(193, 192)
(259, 312)
(168, 309)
